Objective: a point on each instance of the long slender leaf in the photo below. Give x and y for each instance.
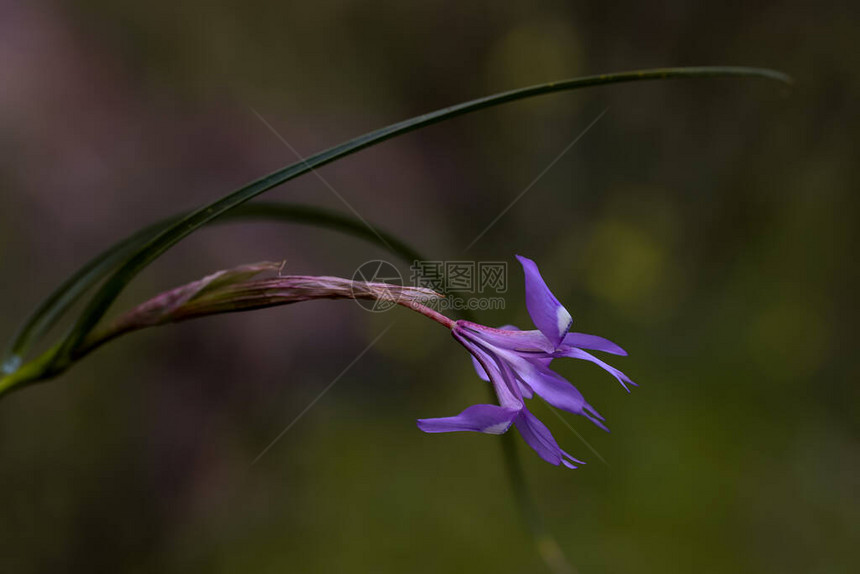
(64, 296)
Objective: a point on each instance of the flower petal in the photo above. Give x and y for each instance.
(513, 342)
(490, 419)
(541, 440)
(575, 353)
(557, 391)
(525, 389)
(500, 374)
(506, 338)
(548, 315)
(480, 370)
(593, 342)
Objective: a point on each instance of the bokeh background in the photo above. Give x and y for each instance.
(705, 225)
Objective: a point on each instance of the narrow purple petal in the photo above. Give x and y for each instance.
(557, 391)
(541, 440)
(548, 315)
(480, 370)
(593, 342)
(525, 389)
(490, 419)
(580, 354)
(499, 373)
(491, 336)
(505, 338)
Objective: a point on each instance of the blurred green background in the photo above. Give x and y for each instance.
(707, 226)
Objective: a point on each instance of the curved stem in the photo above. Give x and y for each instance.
(428, 312)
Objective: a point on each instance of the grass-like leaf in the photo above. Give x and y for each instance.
(57, 303)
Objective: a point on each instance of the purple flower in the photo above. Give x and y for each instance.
(517, 363)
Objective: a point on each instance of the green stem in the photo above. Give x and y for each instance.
(41, 368)
(547, 547)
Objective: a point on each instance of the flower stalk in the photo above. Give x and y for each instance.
(235, 290)
(227, 291)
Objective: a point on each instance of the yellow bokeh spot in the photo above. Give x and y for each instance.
(631, 268)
